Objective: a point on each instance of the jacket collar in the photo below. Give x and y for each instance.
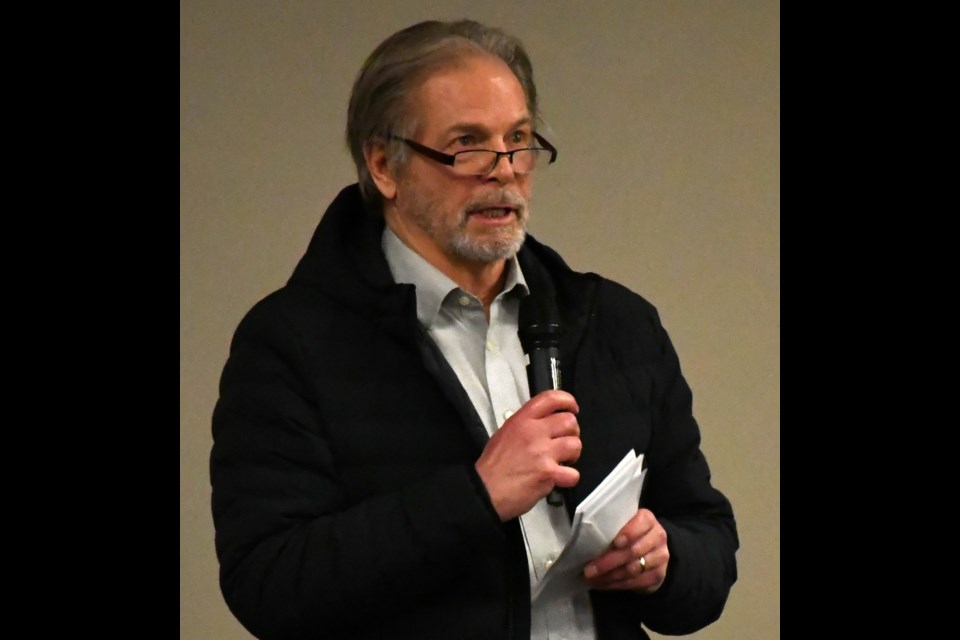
(434, 288)
(345, 261)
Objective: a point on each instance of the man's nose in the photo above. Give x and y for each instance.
(502, 170)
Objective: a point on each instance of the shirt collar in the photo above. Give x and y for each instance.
(433, 287)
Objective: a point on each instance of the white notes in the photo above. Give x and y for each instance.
(596, 522)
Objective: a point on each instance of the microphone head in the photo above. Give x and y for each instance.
(539, 323)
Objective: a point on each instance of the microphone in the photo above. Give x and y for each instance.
(540, 331)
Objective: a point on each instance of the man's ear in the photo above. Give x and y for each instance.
(375, 153)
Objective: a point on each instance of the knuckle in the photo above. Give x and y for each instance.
(544, 469)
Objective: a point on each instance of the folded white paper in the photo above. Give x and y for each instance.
(596, 522)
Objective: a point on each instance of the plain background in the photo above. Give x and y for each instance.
(667, 118)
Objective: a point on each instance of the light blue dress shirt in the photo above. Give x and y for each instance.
(489, 361)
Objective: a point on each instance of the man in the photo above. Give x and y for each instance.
(379, 468)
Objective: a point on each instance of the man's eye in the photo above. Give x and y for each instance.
(466, 141)
(518, 137)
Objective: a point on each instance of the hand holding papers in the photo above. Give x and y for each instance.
(596, 522)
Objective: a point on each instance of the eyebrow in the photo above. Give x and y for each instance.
(470, 127)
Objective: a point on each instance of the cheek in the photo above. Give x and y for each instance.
(524, 186)
(455, 199)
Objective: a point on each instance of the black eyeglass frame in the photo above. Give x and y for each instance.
(450, 160)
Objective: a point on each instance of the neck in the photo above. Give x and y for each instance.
(485, 280)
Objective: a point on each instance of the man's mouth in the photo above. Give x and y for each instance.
(493, 212)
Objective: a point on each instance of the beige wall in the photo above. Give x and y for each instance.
(667, 117)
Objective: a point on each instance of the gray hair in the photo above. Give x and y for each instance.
(378, 105)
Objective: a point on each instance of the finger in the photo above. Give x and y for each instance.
(549, 402)
(566, 449)
(653, 540)
(653, 563)
(629, 571)
(635, 529)
(648, 580)
(565, 477)
(652, 546)
(607, 563)
(614, 559)
(562, 424)
(626, 571)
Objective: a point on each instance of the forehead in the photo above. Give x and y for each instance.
(479, 91)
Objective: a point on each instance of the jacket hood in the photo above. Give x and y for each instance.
(344, 260)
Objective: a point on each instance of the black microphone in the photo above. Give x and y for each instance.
(540, 331)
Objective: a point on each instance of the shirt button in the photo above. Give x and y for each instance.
(464, 301)
(507, 414)
(548, 563)
(491, 346)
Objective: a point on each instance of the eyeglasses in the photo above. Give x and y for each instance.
(480, 162)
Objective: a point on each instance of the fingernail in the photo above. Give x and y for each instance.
(620, 542)
(590, 572)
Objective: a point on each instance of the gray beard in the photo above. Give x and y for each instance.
(499, 248)
(500, 245)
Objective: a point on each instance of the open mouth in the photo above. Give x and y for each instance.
(493, 212)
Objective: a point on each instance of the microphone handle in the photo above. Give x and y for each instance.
(543, 370)
(543, 374)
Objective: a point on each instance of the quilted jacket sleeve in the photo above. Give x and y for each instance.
(698, 519)
(295, 562)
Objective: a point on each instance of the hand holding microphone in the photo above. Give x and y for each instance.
(540, 332)
(522, 462)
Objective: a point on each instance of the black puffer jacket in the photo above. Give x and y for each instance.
(345, 499)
